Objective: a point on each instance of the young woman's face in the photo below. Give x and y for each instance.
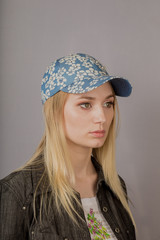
(88, 116)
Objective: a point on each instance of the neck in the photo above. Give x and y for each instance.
(81, 161)
(85, 172)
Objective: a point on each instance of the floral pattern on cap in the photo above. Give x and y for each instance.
(76, 73)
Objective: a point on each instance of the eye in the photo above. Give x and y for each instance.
(108, 104)
(85, 105)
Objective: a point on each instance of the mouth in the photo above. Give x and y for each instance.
(98, 133)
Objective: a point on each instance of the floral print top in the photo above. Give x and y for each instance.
(98, 227)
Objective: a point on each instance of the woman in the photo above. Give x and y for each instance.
(70, 188)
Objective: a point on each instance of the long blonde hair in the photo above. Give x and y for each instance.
(53, 153)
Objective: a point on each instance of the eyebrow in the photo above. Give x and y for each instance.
(92, 98)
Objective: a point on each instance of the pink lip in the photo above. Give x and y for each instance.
(98, 133)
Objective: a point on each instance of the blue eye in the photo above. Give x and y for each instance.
(85, 105)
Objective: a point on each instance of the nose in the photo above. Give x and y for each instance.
(99, 115)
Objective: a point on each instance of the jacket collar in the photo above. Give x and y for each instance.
(98, 168)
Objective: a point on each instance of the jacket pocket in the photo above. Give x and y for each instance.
(44, 233)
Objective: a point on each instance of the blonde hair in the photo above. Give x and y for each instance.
(53, 153)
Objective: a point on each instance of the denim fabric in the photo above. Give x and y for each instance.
(17, 219)
(79, 73)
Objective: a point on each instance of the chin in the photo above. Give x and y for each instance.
(98, 144)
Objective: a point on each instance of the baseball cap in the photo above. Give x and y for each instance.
(80, 73)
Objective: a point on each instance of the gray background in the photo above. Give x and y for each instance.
(125, 36)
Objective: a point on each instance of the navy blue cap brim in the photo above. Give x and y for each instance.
(121, 86)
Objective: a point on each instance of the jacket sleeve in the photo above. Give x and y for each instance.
(12, 217)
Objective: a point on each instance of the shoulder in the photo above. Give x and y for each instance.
(19, 185)
(123, 184)
(16, 204)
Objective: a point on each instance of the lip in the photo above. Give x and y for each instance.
(98, 133)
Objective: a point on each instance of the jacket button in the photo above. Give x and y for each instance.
(127, 231)
(105, 209)
(66, 239)
(117, 230)
(24, 208)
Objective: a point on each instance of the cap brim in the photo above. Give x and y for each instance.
(121, 86)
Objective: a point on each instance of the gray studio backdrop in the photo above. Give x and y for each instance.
(124, 35)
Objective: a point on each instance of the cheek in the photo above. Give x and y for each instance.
(72, 121)
(110, 118)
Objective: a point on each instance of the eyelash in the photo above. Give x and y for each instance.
(110, 105)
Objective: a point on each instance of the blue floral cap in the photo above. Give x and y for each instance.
(79, 73)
